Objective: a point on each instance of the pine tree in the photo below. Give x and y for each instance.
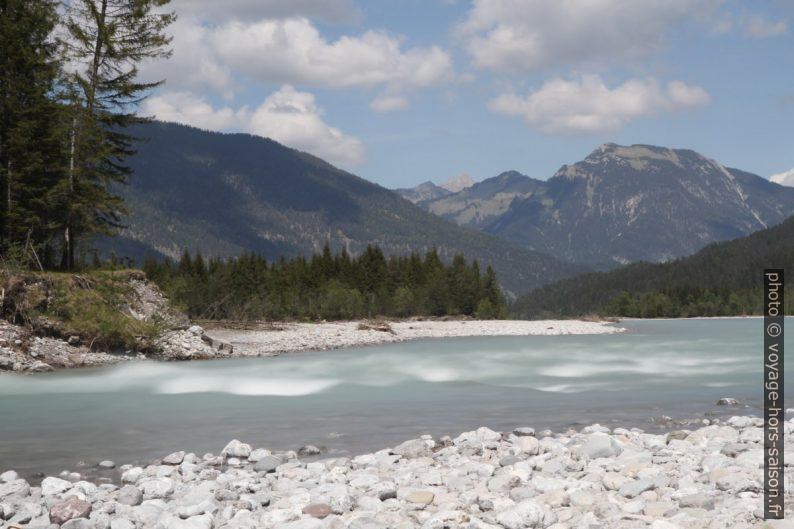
(29, 142)
(106, 39)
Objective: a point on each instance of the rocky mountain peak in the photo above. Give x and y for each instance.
(638, 155)
(623, 203)
(457, 183)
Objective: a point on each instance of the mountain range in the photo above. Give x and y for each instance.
(227, 194)
(620, 204)
(427, 191)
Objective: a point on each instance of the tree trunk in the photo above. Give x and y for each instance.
(97, 59)
(90, 96)
(67, 261)
(8, 201)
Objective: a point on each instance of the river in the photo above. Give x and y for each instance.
(363, 399)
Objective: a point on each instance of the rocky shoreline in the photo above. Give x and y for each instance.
(709, 477)
(22, 352)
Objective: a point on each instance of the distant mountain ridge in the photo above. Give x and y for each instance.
(427, 191)
(721, 279)
(621, 204)
(458, 183)
(226, 194)
(424, 192)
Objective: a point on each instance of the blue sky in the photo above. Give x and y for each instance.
(408, 91)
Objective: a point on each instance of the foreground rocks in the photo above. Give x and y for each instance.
(709, 477)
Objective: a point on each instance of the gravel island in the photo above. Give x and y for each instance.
(281, 338)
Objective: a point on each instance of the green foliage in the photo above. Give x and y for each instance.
(724, 279)
(31, 150)
(340, 302)
(93, 305)
(68, 88)
(104, 41)
(404, 302)
(328, 287)
(93, 308)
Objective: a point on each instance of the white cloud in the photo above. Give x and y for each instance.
(213, 10)
(184, 107)
(385, 104)
(786, 178)
(519, 36)
(294, 51)
(288, 116)
(293, 118)
(588, 105)
(291, 51)
(194, 64)
(758, 26)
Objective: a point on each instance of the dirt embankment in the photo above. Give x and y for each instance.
(56, 320)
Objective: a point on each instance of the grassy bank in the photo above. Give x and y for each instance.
(98, 307)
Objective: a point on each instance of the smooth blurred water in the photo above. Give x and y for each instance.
(363, 399)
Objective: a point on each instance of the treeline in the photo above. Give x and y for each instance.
(685, 302)
(69, 85)
(723, 279)
(328, 286)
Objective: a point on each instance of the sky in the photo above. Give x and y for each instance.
(401, 92)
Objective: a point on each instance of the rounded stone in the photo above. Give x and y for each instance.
(267, 464)
(524, 432)
(69, 509)
(237, 449)
(52, 486)
(9, 476)
(599, 445)
(308, 450)
(174, 458)
(424, 497)
(414, 448)
(318, 510)
(130, 495)
(509, 460)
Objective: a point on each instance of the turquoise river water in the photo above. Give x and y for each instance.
(363, 399)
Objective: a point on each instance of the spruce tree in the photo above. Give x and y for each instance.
(29, 142)
(105, 40)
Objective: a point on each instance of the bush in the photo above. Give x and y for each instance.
(403, 302)
(341, 303)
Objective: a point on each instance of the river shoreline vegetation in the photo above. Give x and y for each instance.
(329, 287)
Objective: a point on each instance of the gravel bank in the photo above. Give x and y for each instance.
(596, 478)
(290, 337)
(21, 352)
